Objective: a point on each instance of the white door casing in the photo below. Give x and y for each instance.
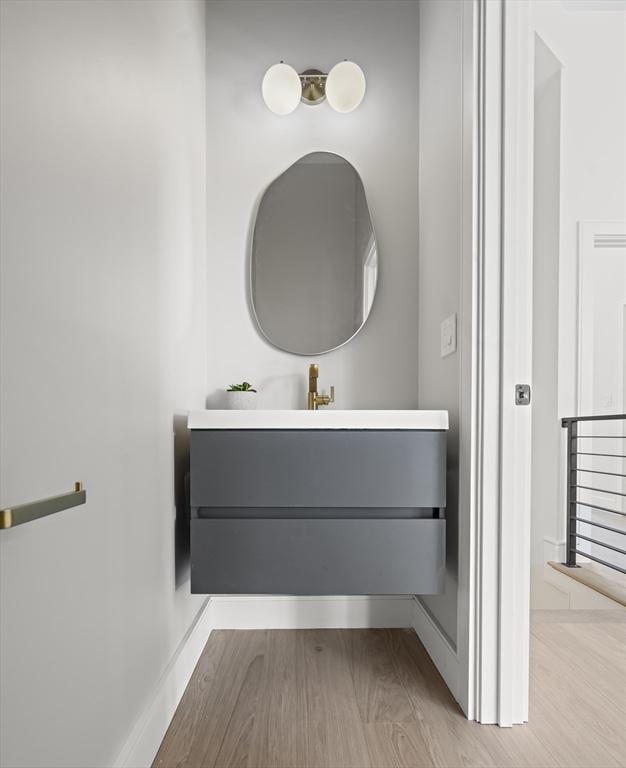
(601, 301)
(601, 361)
(499, 546)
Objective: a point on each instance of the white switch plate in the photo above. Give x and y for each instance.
(448, 335)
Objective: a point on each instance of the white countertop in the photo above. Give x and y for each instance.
(322, 419)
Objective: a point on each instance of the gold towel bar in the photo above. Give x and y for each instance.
(25, 513)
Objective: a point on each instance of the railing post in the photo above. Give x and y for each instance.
(572, 465)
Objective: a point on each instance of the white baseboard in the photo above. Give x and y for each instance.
(328, 612)
(147, 734)
(278, 612)
(553, 550)
(438, 647)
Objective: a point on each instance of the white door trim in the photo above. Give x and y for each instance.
(465, 691)
(588, 231)
(516, 346)
(486, 434)
(498, 566)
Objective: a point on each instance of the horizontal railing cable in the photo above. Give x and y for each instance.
(600, 472)
(608, 455)
(599, 560)
(574, 502)
(599, 543)
(600, 525)
(597, 506)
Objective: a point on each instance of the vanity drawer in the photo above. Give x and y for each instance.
(318, 468)
(317, 557)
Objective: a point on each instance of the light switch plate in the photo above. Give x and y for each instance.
(448, 335)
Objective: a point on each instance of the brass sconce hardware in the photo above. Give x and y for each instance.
(283, 88)
(313, 86)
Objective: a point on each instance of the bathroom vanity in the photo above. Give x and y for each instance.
(318, 503)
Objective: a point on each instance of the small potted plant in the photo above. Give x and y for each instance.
(241, 397)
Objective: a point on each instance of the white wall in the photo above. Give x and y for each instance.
(602, 384)
(590, 46)
(441, 201)
(546, 429)
(103, 350)
(588, 40)
(249, 146)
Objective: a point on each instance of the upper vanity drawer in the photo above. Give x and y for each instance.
(318, 468)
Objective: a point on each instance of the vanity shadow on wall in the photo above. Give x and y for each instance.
(310, 502)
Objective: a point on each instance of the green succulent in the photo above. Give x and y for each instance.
(243, 387)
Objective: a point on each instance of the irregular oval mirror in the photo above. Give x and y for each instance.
(314, 260)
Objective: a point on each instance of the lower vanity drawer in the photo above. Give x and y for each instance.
(317, 557)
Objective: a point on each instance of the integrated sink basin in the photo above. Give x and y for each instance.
(317, 503)
(331, 419)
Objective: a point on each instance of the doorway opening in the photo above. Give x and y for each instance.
(578, 484)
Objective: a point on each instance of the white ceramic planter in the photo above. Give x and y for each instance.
(242, 401)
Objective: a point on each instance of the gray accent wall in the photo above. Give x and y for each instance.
(443, 205)
(547, 473)
(250, 147)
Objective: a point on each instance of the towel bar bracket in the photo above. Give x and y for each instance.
(26, 513)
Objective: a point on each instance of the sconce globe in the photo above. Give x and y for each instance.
(281, 89)
(345, 86)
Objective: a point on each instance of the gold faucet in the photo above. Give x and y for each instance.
(314, 400)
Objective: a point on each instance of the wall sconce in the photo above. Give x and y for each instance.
(283, 88)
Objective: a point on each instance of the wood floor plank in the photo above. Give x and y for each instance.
(596, 659)
(607, 641)
(239, 673)
(380, 695)
(330, 732)
(397, 745)
(616, 631)
(563, 717)
(374, 699)
(450, 738)
(277, 721)
(566, 712)
(517, 747)
(237, 743)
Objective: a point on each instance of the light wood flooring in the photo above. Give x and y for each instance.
(372, 698)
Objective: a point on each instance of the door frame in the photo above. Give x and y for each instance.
(495, 554)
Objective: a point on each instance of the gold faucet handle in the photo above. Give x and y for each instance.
(331, 399)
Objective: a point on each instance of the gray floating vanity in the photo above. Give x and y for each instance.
(318, 503)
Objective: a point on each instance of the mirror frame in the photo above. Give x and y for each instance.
(250, 296)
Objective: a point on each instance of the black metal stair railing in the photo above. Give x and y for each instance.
(575, 484)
